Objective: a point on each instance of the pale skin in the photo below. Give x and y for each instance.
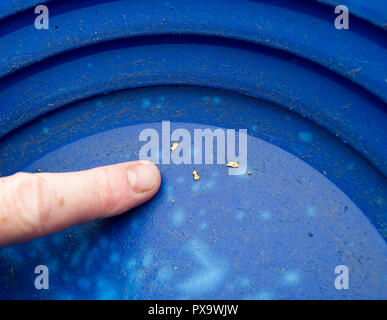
(37, 204)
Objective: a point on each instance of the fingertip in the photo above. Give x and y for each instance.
(156, 174)
(144, 177)
(66, 199)
(125, 186)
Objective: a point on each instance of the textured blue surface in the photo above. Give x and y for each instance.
(311, 97)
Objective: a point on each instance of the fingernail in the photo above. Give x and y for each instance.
(142, 177)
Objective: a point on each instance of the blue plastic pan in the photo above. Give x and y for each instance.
(313, 101)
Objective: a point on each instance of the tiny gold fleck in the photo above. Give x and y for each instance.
(249, 172)
(233, 164)
(195, 174)
(174, 146)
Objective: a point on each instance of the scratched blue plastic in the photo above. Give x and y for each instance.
(312, 98)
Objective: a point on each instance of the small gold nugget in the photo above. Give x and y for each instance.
(233, 164)
(174, 146)
(249, 173)
(195, 174)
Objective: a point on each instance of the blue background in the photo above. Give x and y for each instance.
(311, 97)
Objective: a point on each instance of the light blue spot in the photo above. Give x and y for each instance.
(132, 263)
(209, 185)
(290, 278)
(114, 258)
(350, 166)
(264, 295)
(311, 211)
(305, 136)
(177, 218)
(148, 259)
(196, 186)
(79, 253)
(146, 102)
(245, 282)
(180, 179)
(139, 275)
(240, 215)
(265, 215)
(106, 291)
(164, 274)
(65, 297)
(231, 286)
(167, 187)
(203, 226)
(379, 201)
(135, 224)
(211, 270)
(206, 99)
(89, 65)
(214, 174)
(158, 106)
(46, 130)
(216, 100)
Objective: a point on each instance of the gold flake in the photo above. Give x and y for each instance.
(233, 164)
(174, 146)
(195, 174)
(249, 173)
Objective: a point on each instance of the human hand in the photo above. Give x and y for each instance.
(37, 204)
